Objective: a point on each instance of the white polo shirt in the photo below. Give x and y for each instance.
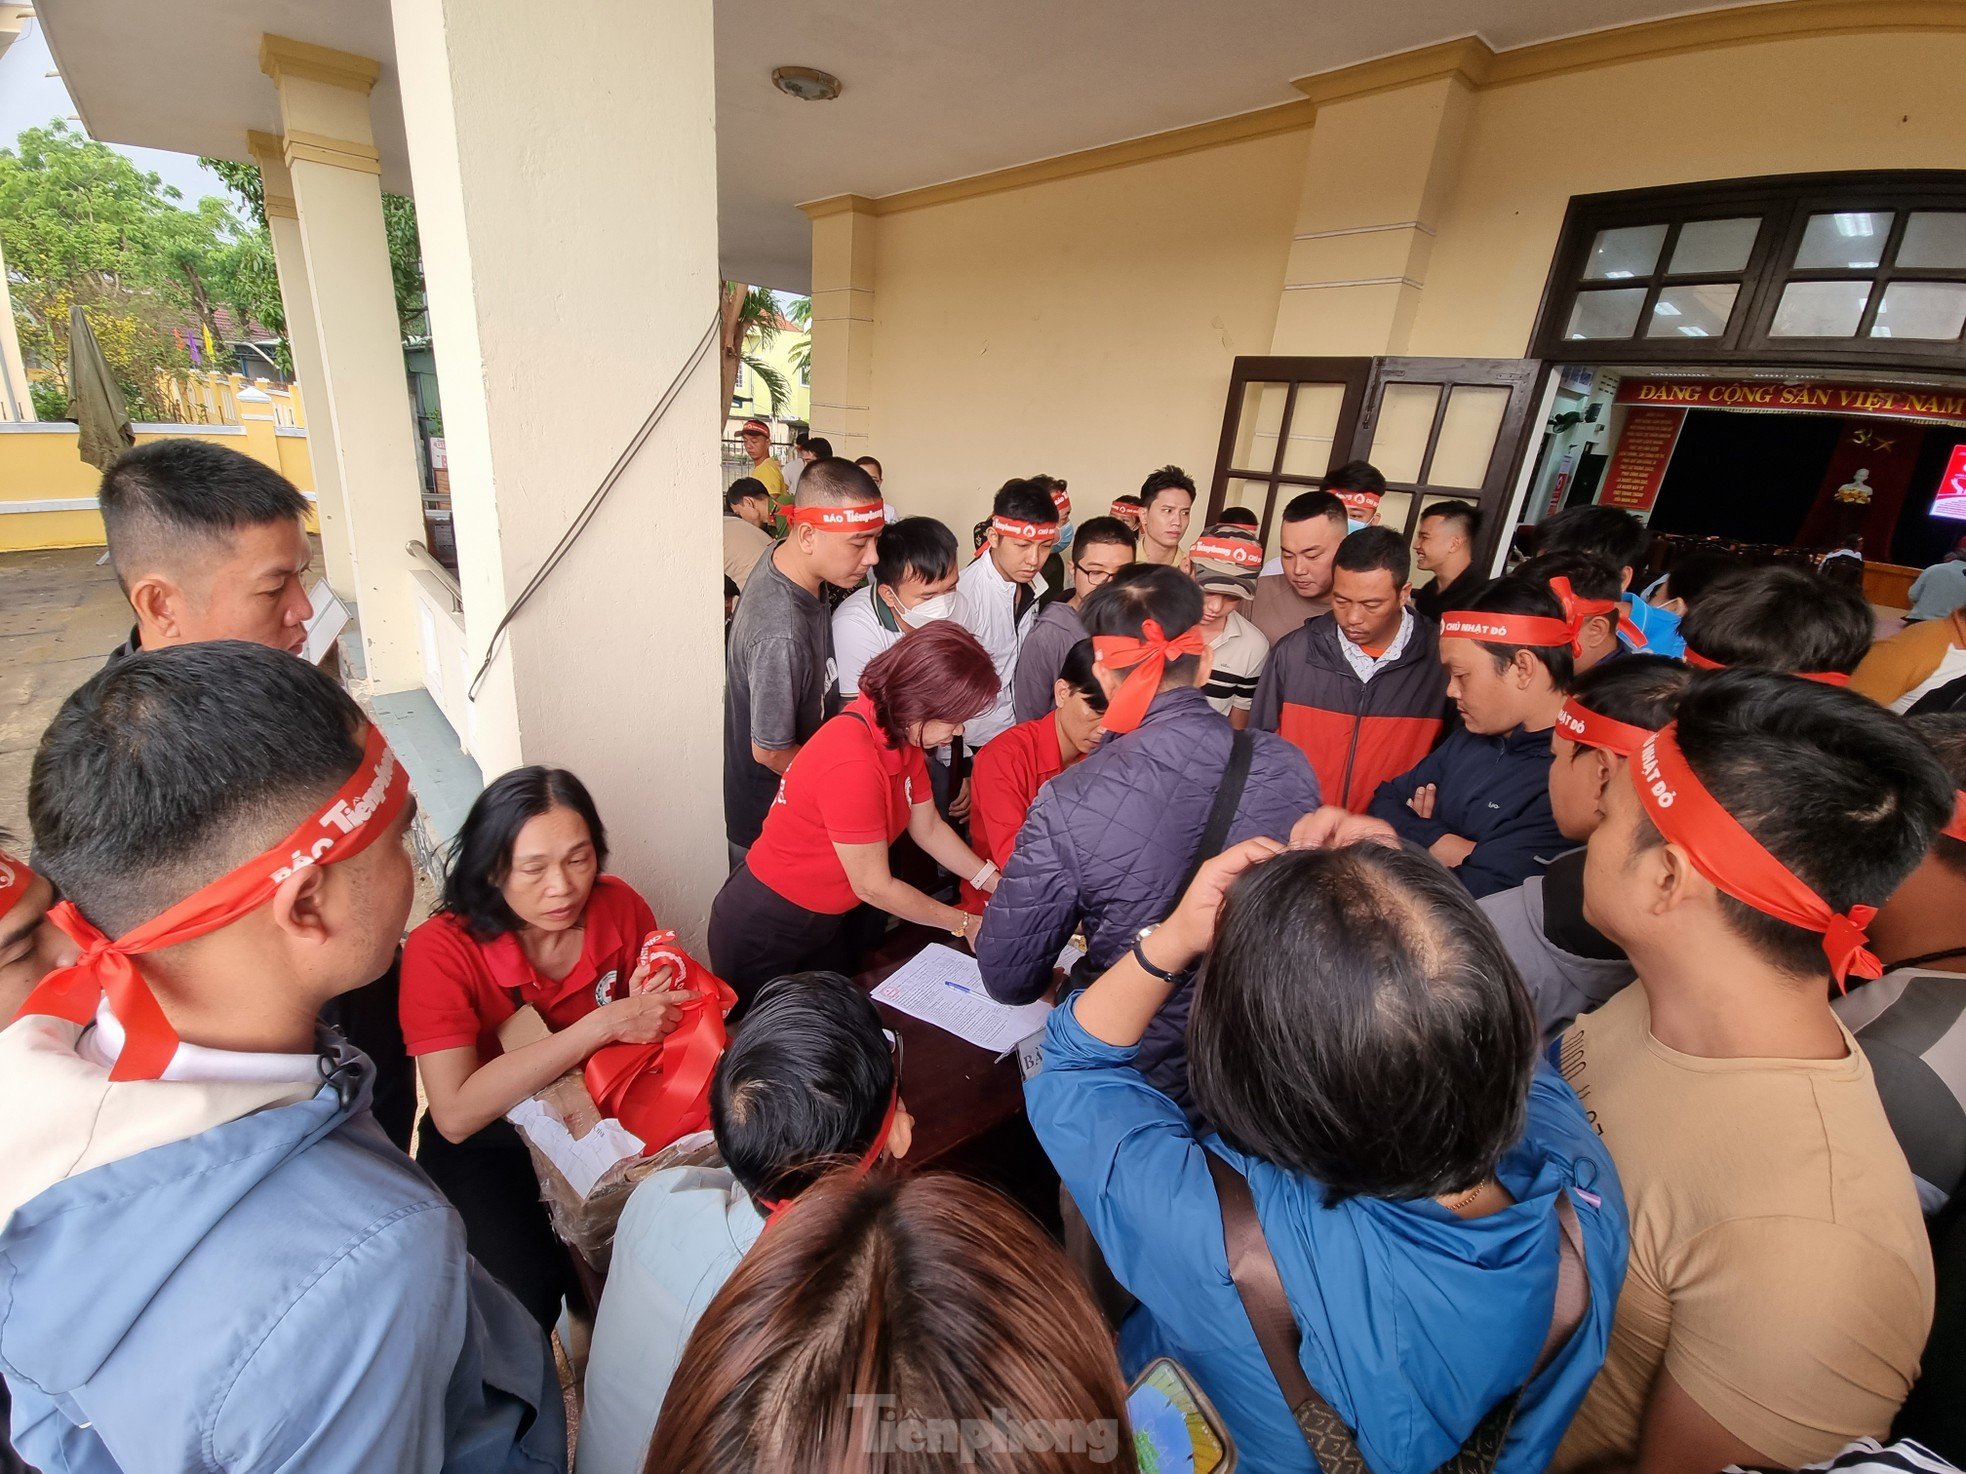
(986, 604)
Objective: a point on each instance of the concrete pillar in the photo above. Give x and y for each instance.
(589, 143)
(843, 321)
(256, 416)
(1376, 180)
(15, 403)
(329, 149)
(304, 341)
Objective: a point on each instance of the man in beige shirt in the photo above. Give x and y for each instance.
(1780, 1284)
(1167, 501)
(1313, 525)
(747, 524)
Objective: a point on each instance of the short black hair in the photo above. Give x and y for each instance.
(1077, 673)
(1140, 592)
(1308, 504)
(1356, 476)
(1022, 500)
(1639, 690)
(1693, 573)
(481, 855)
(1464, 515)
(743, 489)
(804, 1084)
(1376, 547)
(1239, 517)
(169, 768)
(1591, 577)
(172, 498)
(1167, 478)
(832, 482)
(820, 446)
(918, 545)
(1514, 594)
(1096, 530)
(1359, 1021)
(1127, 499)
(1838, 789)
(1611, 533)
(1781, 619)
(802, 440)
(863, 462)
(1946, 733)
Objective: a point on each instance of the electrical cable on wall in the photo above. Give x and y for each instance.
(593, 505)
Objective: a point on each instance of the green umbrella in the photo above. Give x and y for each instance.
(95, 400)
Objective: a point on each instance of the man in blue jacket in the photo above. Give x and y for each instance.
(1480, 802)
(1110, 841)
(210, 1255)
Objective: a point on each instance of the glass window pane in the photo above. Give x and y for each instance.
(1934, 238)
(1393, 507)
(1847, 238)
(1256, 430)
(1921, 309)
(1692, 312)
(1820, 309)
(1601, 314)
(1312, 425)
(1254, 495)
(1399, 439)
(1712, 247)
(1467, 435)
(1628, 251)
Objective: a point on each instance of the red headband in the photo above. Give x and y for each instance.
(1361, 501)
(1029, 531)
(1577, 609)
(1126, 512)
(852, 517)
(775, 1206)
(1538, 631)
(1061, 501)
(1735, 861)
(15, 878)
(1149, 656)
(1225, 550)
(339, 830)
(1954, 830)
(1582, 725)
(1821, 677)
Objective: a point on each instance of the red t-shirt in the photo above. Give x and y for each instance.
(842, 788)
(1010, 769)
(457, 990)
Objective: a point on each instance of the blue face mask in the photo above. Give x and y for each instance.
(1659, 626)
(1064, 537)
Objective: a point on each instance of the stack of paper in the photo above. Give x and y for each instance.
(583, 1161)
(945, 987)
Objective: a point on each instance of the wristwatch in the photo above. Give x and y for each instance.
(1140, 955)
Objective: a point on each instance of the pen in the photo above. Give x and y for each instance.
(957, 986)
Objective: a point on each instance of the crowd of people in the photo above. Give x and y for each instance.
(1518, 1026)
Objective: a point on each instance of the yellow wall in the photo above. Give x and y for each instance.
(1775, 107)
(751, 396)
(1082, 327)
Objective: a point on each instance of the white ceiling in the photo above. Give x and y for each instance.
(932, 92)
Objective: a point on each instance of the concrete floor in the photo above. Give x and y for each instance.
(60, 616)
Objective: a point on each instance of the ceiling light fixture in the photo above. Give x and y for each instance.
(808, 84)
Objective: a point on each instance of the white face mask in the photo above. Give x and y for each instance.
(934, 607)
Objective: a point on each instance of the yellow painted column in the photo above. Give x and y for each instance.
(1378, 174)
(843, 230)
(304, 342)
(329, 149)
(256, 418)
(588, 143)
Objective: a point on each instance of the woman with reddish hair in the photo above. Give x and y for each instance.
(812, 890)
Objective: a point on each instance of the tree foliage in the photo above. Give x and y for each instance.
(749, 312)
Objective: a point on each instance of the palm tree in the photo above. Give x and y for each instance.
(747, 311)
(801, 313)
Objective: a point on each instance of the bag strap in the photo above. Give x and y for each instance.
(1332, 1443)
(1222, 813)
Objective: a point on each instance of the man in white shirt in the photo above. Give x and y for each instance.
(914, 582)
(1223, 561)
(997, 595)
(810, 1080)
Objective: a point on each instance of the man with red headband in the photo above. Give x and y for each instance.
(1109, 843)
(780, 678)
(1588, 589)
(755, 437)
(997, 596)
(214, 1257)
(1780, 1281)
(1223, 563)
(1361, 487)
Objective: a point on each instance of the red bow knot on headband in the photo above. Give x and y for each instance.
(852, 517)
(1577, 609)
(1591, 729)
(1954, 830)
(1226, 550)
(1821, 677)
(1148, 656)
(1029, 531)
(1682, 810)
(359, 813)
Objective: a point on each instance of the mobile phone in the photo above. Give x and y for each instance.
(1175, 1427)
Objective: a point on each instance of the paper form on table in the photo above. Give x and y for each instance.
(921, 988)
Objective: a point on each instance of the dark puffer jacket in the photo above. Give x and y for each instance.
(1110, 840)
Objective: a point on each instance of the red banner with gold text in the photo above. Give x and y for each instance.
(1904, 402)
(1638, 465)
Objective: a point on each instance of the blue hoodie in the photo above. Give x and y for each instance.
(244, 1276)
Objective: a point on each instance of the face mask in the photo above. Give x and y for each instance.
(1659, 626)
(1064, 537)
(936, 606)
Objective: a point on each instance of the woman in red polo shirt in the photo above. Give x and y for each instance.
(1011, 768)
(850, 793)
(527, 918)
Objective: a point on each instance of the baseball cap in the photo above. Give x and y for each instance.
(1226, 559)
